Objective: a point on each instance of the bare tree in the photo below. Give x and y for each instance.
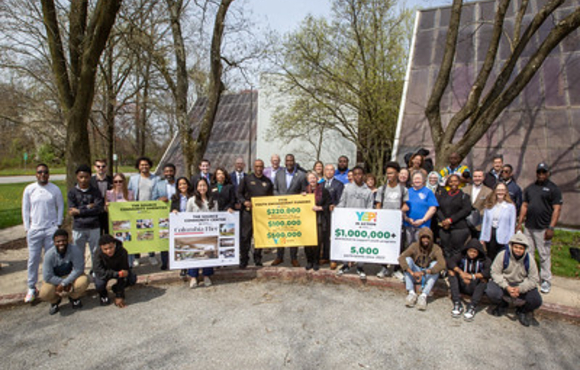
(480, 109)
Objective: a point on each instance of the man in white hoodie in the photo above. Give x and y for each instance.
(42, 215)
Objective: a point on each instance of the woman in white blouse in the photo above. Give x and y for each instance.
(202, 201)
(499, 221)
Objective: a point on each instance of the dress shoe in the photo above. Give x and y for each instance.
(333, 265)
(277, 261)
(308, 266)
(295, 263)
(324, 262)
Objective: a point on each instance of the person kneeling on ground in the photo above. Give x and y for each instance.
(63, 272)
(422, 263)
(515, 279)
(112, 262)
(469, 272)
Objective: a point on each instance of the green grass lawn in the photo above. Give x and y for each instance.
(31, 170)
(11, 202)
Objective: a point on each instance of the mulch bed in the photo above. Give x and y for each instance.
(14, 244)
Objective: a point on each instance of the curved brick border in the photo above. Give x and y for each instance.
(300, 274)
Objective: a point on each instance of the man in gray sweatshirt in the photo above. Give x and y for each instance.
(63, 272)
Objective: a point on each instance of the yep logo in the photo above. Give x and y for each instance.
(366, 217)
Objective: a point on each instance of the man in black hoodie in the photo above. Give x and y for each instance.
(112, 262)
(469, 272)
(85, 205)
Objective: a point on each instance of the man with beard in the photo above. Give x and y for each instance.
(341, 173)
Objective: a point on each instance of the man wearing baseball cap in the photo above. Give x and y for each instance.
(542, 204)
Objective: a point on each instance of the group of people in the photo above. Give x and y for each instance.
(456, 222)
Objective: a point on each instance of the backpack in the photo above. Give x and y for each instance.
(506, 260)
(400, 190)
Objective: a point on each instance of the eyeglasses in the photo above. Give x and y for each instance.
(101, 166)
(118, 182)
(42, 172)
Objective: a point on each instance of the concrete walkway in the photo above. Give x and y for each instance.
(21, 179)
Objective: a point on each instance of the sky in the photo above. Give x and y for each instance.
(285, 15)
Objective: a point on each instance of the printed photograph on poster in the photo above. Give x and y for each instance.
(145, 224)
(123, 236)
(145, 235)
(163, 223)
(364, 235)
(163, 234)
(122, 225)
(207, 239)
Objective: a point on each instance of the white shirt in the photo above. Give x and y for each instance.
(42, 206)
(170, 190)
(475, 192)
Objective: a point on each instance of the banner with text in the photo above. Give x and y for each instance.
(363, 235)
(141, 226)
(284, 221)
(204, 239)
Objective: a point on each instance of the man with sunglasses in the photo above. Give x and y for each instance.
(541, 210)
(100, 180)
(42, 215)
(507, 176)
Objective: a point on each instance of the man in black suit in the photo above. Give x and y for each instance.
(238, 175)
(204, 167)
(289, 181)
(100, 180)
(335, 188)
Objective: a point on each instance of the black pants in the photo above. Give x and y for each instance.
(246, 240)
(475, 289)
(325, 249)
(493, 247)
(532, 298)
(453, 240)
(313, 252)
(118, 288)
(293, 253)
(104, 222)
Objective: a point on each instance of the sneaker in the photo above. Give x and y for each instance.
(342, 270)
(75, 303)
(457, 310)
(193, 283)
(30, 295)
(523, 318)
(207, 281)
(500, 309)
(361, 273)
(399, 275)
(164, 266)
(469, 314)
(105, 301)
(309, 266)
(411, 299)
(545, 287)
(382, 273)
(54, 308)
(136, 262)
(153, 261)
(422, 302)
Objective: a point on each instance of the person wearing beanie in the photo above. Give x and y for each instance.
(85, 204)
(112, 262)
(469, 272)
(515, 279)
(63, 273)
(422, 263)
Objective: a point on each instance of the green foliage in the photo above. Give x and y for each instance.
(46, 154)
(346, 74)
(562, 263)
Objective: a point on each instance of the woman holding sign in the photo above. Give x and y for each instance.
(322, 208)
(183, 192)
(202, 201)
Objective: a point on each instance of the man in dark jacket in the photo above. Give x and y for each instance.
(63, 273)
(422, 263)
(494, 175)
(468, 274)
(112, 262)
(85, 204)
(100, 180)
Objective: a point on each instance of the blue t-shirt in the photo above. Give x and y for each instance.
(342, 177)
(419, 203)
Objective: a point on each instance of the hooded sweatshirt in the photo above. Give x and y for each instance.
(515, 274)
(424, 256)
(63, 268)
(106, 267)
(480, 264)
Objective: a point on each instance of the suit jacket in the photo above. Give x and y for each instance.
(195, 178)
(297, 186)
(335, 190)
(225, 198)
(108, 179)
(479, 203)
(234, 177)
(134, 186)
(268, 172)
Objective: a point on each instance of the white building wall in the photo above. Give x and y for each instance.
(269, 100)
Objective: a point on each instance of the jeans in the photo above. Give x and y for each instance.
(475, 289)
(118, 288)
(83, 236)
(429, 282)
(36, 240)
(206, 271)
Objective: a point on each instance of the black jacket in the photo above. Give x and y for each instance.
(225, 198)
(106, 267)
(456, 207)
(481, 264)
(89, 217)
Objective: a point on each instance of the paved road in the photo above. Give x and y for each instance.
(273, 325)
(26, 179)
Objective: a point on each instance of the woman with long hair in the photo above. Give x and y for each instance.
(371, 181)
(318, 169)
(322, 202)
(405, 177)
(417, 163)
(223, 190)
(119, 192)
(454, 207)
(202, 201)
(183, 192)
(499, 220)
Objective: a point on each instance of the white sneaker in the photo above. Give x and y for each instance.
(399, 275)
(545, 287)
(136, 262)
(361, 274)
(193, 283)
(153, 261)
(422, 302)
(207, 281)
(30, 295)
(411, 299)
(382, 273)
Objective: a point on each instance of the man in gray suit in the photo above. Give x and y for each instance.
(478, 193)
(289, 181)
